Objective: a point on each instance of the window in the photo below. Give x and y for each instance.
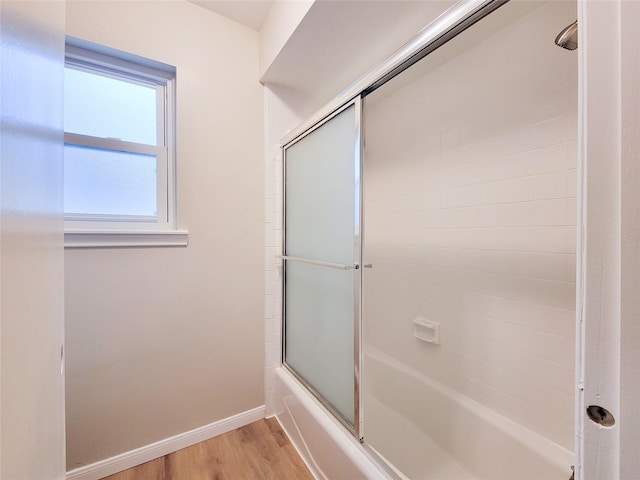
(119, 152)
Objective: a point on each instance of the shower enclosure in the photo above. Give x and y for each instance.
(429, 258)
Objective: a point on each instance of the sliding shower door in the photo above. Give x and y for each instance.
(321, 259)
(469, 307)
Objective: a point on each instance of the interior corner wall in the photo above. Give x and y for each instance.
(164, 340)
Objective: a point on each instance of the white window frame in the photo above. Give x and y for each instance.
(99, 230)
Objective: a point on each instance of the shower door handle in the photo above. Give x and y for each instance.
(340, 266)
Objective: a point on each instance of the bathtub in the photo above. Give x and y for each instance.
(442, 434)
(473, 442)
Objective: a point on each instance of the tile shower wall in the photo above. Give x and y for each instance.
(470, 214)
(273, 284)
(282, 119)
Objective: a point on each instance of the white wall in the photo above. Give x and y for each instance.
(284, 17)
(470, 213)
(164, 340)
(630, 245)
(31, 255)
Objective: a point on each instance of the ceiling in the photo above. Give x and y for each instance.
(251, 13)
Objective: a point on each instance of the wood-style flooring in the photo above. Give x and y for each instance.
(258, 451)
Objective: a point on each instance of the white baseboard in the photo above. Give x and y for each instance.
(126, 460)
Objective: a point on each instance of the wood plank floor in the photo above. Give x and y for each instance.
(258, 451)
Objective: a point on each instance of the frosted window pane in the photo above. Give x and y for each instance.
(319, 331)
(109, 182)
(108, 108)
(320, 181)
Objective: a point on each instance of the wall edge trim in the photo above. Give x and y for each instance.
(138, 456)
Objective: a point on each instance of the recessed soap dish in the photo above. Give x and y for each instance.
(426, 330)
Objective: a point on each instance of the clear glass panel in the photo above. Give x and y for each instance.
(109, 108)
(320, 225)
(319, 310)
(107, 182)
(469, 309)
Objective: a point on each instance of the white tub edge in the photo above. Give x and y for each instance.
(343, 449)
(543, 447)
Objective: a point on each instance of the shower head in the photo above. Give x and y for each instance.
(568, 37)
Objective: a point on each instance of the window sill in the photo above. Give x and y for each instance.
(122, 238)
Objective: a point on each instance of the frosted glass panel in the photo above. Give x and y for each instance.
(106, 107)
(319, 310)
(109, 182)
(320, 180)
(320, 225)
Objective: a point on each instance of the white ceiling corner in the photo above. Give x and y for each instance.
(251, 13)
